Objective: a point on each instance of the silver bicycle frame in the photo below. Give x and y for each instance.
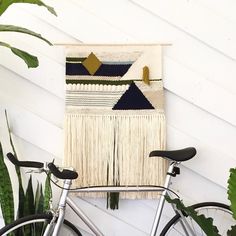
(65, 199)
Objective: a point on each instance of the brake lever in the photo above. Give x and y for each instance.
(55, 179)
(37, 171)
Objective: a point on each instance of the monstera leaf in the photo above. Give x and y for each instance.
(232, 198)
(232, 191)
(4, 4)
(206, 224)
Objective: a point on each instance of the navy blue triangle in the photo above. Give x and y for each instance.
(133, 99)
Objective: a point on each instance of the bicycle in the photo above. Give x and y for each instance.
(53, 223)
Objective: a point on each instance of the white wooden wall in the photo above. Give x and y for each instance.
(199, 80)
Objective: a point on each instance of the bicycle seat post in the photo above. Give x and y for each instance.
(61, 206)
(170, 173)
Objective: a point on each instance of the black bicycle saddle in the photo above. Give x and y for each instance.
(176, 155)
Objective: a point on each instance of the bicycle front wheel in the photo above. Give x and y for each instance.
(35, 225)
(220, 213)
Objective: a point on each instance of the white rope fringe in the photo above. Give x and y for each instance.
(110, 149)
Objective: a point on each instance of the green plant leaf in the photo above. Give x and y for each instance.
(6, 192)
(18, 29)
(21, 203)
(39, 199)
(29, 59)
(47, 193)
(232, 191)
(232, 231)
(206, 224)
(29, 207)
(21, 194)
(4, 4)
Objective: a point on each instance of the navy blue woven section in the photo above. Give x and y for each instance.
(133, 99)
(104, 69)
(76, 69)
(112, 70)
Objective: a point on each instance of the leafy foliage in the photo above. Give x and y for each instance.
(30, 60)
(232, 231)
(232, 191)
(28, 202)
(39, 199)
(4, 4)
(47, 193)
(21, 194)
(232, 198)
(12, 28)
(29, 208)
(6, 193)
(206, 224)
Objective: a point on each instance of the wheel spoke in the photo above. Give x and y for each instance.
(222, 219)
(35, 226)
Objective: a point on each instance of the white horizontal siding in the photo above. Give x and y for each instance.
(203, 93)
(51, 81)
(16, 90)
(199, 77)
(198, 21)
(222, 8)
(36, 130)
(200, 124)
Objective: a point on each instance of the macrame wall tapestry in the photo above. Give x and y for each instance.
(114, 115)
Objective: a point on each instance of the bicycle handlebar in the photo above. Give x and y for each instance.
(64, 174)
(16, 162)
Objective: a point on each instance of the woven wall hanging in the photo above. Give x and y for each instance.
(114, 115)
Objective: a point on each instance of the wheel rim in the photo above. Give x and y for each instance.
(222, 218)
(36, 227)
(28, 228)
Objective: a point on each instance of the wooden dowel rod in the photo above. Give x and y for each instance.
(112, 44)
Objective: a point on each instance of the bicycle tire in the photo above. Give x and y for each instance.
(172, 228)
(14, 227)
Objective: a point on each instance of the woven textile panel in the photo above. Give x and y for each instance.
(114, 115)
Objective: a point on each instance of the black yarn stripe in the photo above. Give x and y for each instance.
(75, 59)
(103, 70)
(105, 82)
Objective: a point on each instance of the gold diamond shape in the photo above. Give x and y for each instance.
(92, 63)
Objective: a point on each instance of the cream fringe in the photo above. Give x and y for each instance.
(113, 148)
